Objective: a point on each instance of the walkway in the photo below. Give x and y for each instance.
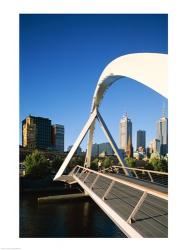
(138, 208)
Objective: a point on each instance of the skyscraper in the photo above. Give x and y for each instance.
(125, 132)
(129, 150)
(155, 146)
(95, 149)
(36, 132)
(141, 139)
(58, 137)
(162, 134)
(105, 147)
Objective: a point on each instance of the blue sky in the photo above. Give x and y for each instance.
(62, 57)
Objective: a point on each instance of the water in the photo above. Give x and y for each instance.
(77, 219)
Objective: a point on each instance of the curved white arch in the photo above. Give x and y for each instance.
(149, 69)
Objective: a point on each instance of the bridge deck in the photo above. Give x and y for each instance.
(152, 217)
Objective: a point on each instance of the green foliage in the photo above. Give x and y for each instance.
(131, 162)
(159, 164)
(80, 160)
(76, 160)
(36, 165)
(107, 162)
(94, 164)
(149, 166)
(57, 162)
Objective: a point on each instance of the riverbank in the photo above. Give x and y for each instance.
(28, 185)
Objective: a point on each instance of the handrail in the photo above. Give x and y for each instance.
(153, 192)
(143, 170)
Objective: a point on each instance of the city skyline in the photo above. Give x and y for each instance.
(125, 131)
(49, 89)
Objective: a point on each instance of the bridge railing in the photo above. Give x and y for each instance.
(79, 171)
(83, 175)
(156, 177)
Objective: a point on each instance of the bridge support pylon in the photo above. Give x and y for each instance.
(89, 126)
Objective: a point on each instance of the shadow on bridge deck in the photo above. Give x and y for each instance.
(150, 220)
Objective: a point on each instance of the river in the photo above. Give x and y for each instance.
(67, 219)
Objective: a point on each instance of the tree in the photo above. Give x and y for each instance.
(131, 162)
(149, 166)
(80, 160)
(94, 164)
(106, 162)
(159, 164)
(57, 162)
(36, 165)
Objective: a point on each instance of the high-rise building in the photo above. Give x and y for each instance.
(148, 152)
(100, 148)
(129, 150)
(78, 151)
(155, 146)
(162, 134)
(95, 149)
(141, 139)
(36, 132)
(57, 137)
(125, 132)
(105, 147)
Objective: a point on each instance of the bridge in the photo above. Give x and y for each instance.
(137, 205)
(135, 199)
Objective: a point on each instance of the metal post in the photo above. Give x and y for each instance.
(150, 177)
(72, 171)
(97, 177)
(81, 173)
(108, 190)
(86, 177)
(138, 205)
(135, 174)
(77, 170)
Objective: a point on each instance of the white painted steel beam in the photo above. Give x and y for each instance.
(137, 207)
(108, 190)
(89, 145)
(151, 178)
(96, 179)
(112, 142)
(150, 69)
(76, 144)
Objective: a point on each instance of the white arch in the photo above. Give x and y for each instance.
(149, 69)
